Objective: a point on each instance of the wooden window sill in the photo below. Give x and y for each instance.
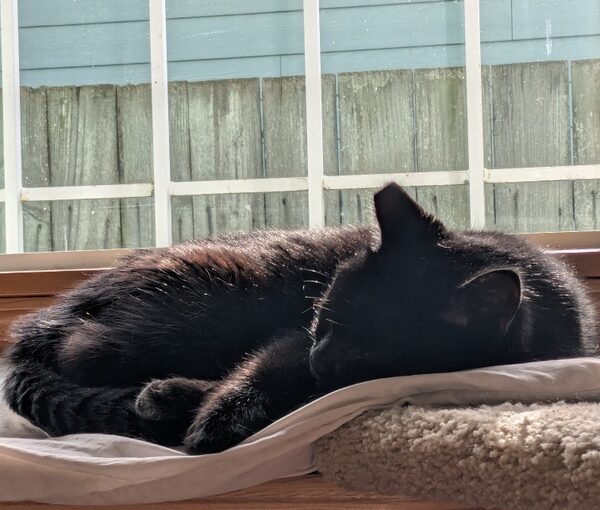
(308, 491)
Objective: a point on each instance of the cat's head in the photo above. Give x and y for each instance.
(426, 300)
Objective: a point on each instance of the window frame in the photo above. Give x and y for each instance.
(315, 183)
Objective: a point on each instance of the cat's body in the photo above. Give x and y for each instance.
(319, 310)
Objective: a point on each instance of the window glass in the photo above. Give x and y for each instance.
(394, 101)
(541, 73)
(85, 119)
(237, 110)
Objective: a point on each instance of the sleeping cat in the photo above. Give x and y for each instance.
(207, 342)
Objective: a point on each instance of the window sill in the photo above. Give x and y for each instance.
(565, 242)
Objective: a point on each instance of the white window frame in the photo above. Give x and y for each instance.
(315, 183)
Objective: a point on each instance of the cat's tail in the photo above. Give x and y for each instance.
(61, 407)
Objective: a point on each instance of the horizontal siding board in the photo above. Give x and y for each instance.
(223, 69)
(391, 26)
(555, 18)
(45, 13)
(84, 45)
(89, 42)
(130, 74)
(381, 60)
(536, 50)
(496, 20)
(578, 48)
(235, 36)
(246, 35)
(75, 12)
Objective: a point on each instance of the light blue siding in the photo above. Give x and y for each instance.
(76, 42)
(555, 18)
(534, 50)
(84, 45)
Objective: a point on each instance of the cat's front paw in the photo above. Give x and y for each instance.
(212, 433)
(226, 420)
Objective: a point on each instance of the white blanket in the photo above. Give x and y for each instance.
(95, 469)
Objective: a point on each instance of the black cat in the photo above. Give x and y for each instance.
(235, 331)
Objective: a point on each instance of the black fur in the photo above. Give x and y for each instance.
(319, 310)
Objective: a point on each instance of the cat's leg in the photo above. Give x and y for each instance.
(260, 390)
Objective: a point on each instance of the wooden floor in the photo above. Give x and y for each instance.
(294, 493)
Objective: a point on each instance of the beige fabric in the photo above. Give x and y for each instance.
(513, 456)
(96, 469)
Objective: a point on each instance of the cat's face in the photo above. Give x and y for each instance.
(425, 301)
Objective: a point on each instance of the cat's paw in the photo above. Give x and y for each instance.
(226, 421)
(169, 399)
(212, 433)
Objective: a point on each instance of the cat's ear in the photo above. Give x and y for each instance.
(487, 302)
(402, 220)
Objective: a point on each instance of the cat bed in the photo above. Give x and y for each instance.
(513, 456)
(89, 469)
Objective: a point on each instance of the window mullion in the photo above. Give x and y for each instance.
(314, 116)
(11, 99)
(474, 113)
(160, 122)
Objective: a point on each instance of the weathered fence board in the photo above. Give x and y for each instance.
(488, 143)
(284, 121)
(284, 127)
(225, 143)
(586, 140)
(376, 132)
(83, 151)
(400, 121)
(181, 167)
(441, 140)
(531, 128)
(36, 171)
(134, 143)
(377, 122)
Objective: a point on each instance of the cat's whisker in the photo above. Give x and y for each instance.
(315, 271)
(318, 282)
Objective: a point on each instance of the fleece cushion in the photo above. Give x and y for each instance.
(108, 470)
(513, 456)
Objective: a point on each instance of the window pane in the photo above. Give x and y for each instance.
(201, 216)
(237, 110)
(360, 208)
(65, 225)
(86, 114)
(541, 75)
(394, 100)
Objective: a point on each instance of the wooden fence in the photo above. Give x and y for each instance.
(374, 122)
